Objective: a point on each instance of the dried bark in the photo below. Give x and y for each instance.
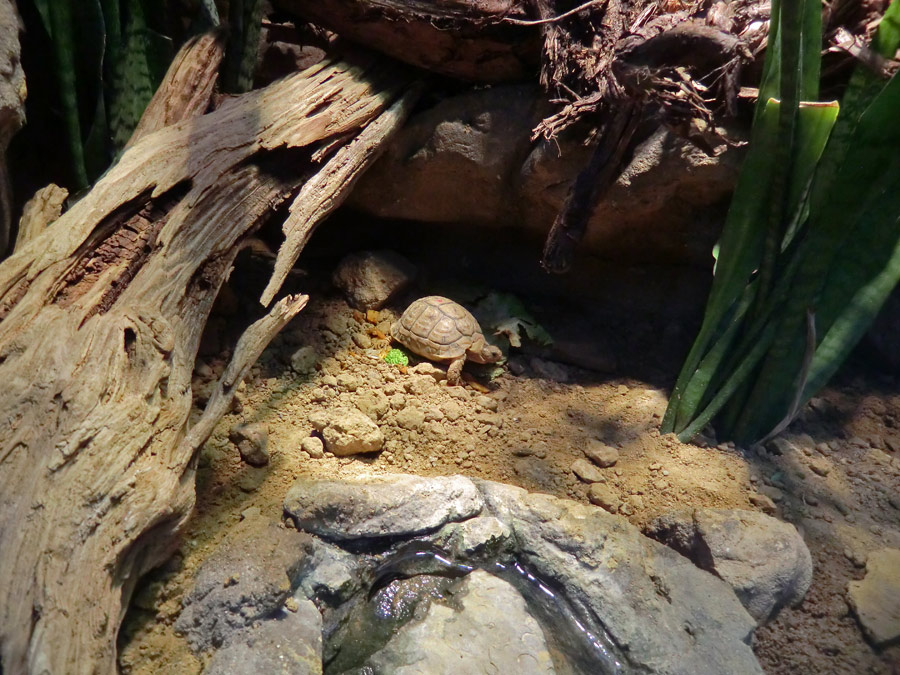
(100, 320)
(473, 40)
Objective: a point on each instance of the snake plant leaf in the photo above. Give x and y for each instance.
(135, 71)
(245, 24)
(740, 250)
(77, 33)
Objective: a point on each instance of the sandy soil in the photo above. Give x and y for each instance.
(837, 481)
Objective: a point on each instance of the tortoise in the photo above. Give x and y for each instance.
(442, 330)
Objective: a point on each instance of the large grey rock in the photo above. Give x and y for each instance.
(330, 573)
(492, 632)
(667, 615)
(763, 559)
(289, 643)
(380, 506)
(245, 581)
(663, 613)
(876, 598)
(347, 431)
(481, 139)
(369, 279)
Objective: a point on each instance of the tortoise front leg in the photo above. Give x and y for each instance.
(454, 372)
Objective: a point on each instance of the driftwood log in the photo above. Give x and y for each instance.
(100, 319)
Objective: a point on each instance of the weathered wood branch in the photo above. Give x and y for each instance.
(100, 320)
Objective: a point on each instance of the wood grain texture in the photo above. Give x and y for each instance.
(100, 320)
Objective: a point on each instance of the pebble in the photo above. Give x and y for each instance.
(491, 419)
(820, 466)
(487, 403)
(397, 401)
(348, 381)
(203, 370)
(410, 418)
(603, 496)
(601, 454)
(313, 446)
(362, 340)
(656, 466)
(251, 479)
(622, 390)
(452, 410)
(763, 502)
(373, 403)
(429, 369)
(587, 471)
(304, 360)
(252, 442)
(433, 414)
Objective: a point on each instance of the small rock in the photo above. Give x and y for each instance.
(876, 599)
(587, 471)
(303, 361)
(252, 442)
(369, 279)
(251, 479)
(516, 366)
(362, 340)
(491, 419)
(373, 403)
(433, 414)
(763, 502)
(348, 381)
(622, 390)
(452, 410)
(397, 401)
(203, 370)
(487, 403)
(549, 370)
(781, 446)
(410, 418)
(604, 497)
(313, 446)
(602, 455)
(429, 369)
(347, 431)
(820, 466)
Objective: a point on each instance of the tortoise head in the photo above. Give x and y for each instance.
(485, 354)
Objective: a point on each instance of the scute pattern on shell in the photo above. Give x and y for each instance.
(437, 328)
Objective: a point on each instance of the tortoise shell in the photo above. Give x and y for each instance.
(438, 328)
